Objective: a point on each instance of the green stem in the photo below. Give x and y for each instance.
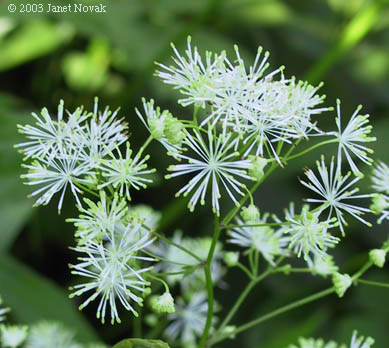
(242, 297)
(369, 282)
(290, 306)
(86, 189)
(143, 147)
(166, 240)
(208, 278)
(310, 149)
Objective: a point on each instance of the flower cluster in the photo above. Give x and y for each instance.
(356, 342)
(112, 262)
(73, 152)
(380, 204)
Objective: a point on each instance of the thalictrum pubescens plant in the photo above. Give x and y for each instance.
(246, 123)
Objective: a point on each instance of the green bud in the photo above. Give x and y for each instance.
(250, 213)
(377, 256)
(174, 130)
(258, 164)
(341, 283)
(231, 258)
(379, 203)
(157, 127)
(163, 303)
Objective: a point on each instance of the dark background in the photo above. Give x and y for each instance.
(49, 56)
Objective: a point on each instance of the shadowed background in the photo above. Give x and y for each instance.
(50, 56)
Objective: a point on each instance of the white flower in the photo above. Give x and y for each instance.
(113, 271)
(48, 137)
(56, 175)
(216, 165)
(145, 214)
(334, 189)
(49, 335)
(350, 139)
(308, 235)
(188, 321)
(265, 239)
(341, 283)
(361, 342)
(380, 178)
(191, 75)
(163, 303)
(13, 336)
(123, 173)
(100, 136)
(99, 218)
(2, 311)
(315, 343)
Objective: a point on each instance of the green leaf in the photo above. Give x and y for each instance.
(33, 297)
(15, 208)
(140, 343)
(23, 45)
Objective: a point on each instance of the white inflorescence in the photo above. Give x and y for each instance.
(336, 192)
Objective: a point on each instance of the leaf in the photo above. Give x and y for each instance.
(23, 45)
(15, 208)
(140, 343)
(33, 297)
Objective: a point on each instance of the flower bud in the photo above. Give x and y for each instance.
(163, 303)
(341, 283)
(258, 164)
(231, 258)
(250, 213)
(379, 203)
(377, 256)
(174, 130)
(157, 127)
(13, 336)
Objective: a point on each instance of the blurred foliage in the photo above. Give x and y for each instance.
(48, 56)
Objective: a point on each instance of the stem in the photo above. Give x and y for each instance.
(242, 297)
(195, 111)
(369, 282)
(255, 225)
(208, 278)
(310, 149)
(143, 147)
(277, 312)
(166, 240)
(86, 189)
(291, 306)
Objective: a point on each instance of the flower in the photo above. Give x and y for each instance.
(380, 178)
(193, 77)
(47, 334)
(265, 239)
(163, 303)
(55, 175)
(215, 165)
(315, 343)
(361, 342)
(98, 219)
(341, 283)
(231, 258)
(378, 256)
(3, 311)
(113, 270)
(13, 336)
(308, 235)
(350, 139)
(144, 214)
(188, 321)
(123, 173)
(333, 187)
